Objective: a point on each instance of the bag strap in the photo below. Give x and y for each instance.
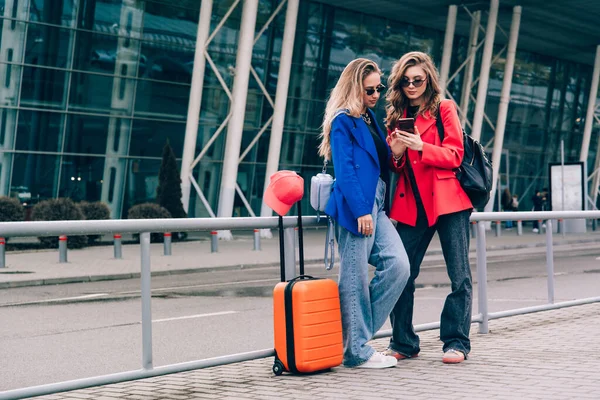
(439, 123)
(329, 245)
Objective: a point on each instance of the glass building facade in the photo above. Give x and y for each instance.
(91, 90)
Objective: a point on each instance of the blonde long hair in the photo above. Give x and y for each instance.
(347, 94)
(397, 101)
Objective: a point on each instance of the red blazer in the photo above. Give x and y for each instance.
(440, 191)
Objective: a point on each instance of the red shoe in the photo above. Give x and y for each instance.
(399, 356)
(452, 356)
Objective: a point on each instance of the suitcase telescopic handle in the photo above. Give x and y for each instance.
(300, 244)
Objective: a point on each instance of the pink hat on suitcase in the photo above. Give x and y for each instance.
(285, 189)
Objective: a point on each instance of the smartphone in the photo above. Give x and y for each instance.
(406, 124)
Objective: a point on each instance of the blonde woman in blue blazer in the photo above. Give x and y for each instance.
(365, 235)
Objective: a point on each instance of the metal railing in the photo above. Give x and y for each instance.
(145, 227)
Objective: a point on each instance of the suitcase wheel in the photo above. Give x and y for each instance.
(277, 367)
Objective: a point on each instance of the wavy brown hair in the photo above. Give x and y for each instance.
(397, 101)
(348, 94)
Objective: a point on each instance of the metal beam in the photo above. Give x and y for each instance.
(235, 128)
(195, 101)
(589, 116)
(504, 102)
(283, 83)
(447, 50)
(468, 79)
(485, 70)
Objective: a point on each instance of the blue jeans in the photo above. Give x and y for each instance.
(455, 321)
(366, 305)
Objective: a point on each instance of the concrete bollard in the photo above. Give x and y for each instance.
(118, 246)
(257, 240)
(519, 228)
(62, 249)
(498, 228)
(2, 252)
(214, 242)
(167, 243)
(540, 229)
(473, 229)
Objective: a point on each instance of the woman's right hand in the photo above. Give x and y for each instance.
(365, 225)
(396, 145)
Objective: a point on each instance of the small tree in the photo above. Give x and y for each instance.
(94, 211)
(61, 209)
(11, 210)
(148, 211)
(168, 193)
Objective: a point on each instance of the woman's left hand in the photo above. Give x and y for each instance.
(412, 141)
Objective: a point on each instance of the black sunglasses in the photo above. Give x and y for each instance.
(380, 88)
(416, 83)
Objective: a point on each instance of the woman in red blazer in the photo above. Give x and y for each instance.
(429, 198)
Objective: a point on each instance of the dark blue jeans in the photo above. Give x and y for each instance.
(455, 322)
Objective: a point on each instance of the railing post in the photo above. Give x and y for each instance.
(167, 243)
(257, 240)
(482, 278)
(2, 252)
(550, 261)
(519, 228)
(62, 249)
(146, 291)
(214, 242)
(118, 246)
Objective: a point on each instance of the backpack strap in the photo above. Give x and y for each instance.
(439, 123)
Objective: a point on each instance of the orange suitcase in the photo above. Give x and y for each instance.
(308, 323)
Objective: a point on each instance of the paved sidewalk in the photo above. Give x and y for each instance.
(546, 355)
(41, 267)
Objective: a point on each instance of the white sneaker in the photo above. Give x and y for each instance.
(379, 360)
(535, 230)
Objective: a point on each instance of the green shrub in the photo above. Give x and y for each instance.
(11, 210)
(149, 211)
(94, 211)
(62, 209)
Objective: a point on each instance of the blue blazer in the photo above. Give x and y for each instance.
(356, 167)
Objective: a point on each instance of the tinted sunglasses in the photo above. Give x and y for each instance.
(370, 91)
(416, 83)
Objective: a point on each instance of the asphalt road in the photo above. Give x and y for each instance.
(64, 332)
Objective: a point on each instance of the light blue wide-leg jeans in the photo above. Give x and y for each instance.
(366, 305)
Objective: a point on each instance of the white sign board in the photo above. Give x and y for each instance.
(571, 182)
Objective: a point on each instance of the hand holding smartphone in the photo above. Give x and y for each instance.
(406, 124)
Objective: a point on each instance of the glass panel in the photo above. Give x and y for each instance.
(56, 12)
(171, 66)
(142, 181)
(44, 88)
(88, 134)
(162, 100)
(149, 137)
(101, 94)
(39, 131)
(81, 178)
(49, 46)
(35, 174)
(107, 16)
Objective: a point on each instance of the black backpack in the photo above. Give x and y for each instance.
(475, 171)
